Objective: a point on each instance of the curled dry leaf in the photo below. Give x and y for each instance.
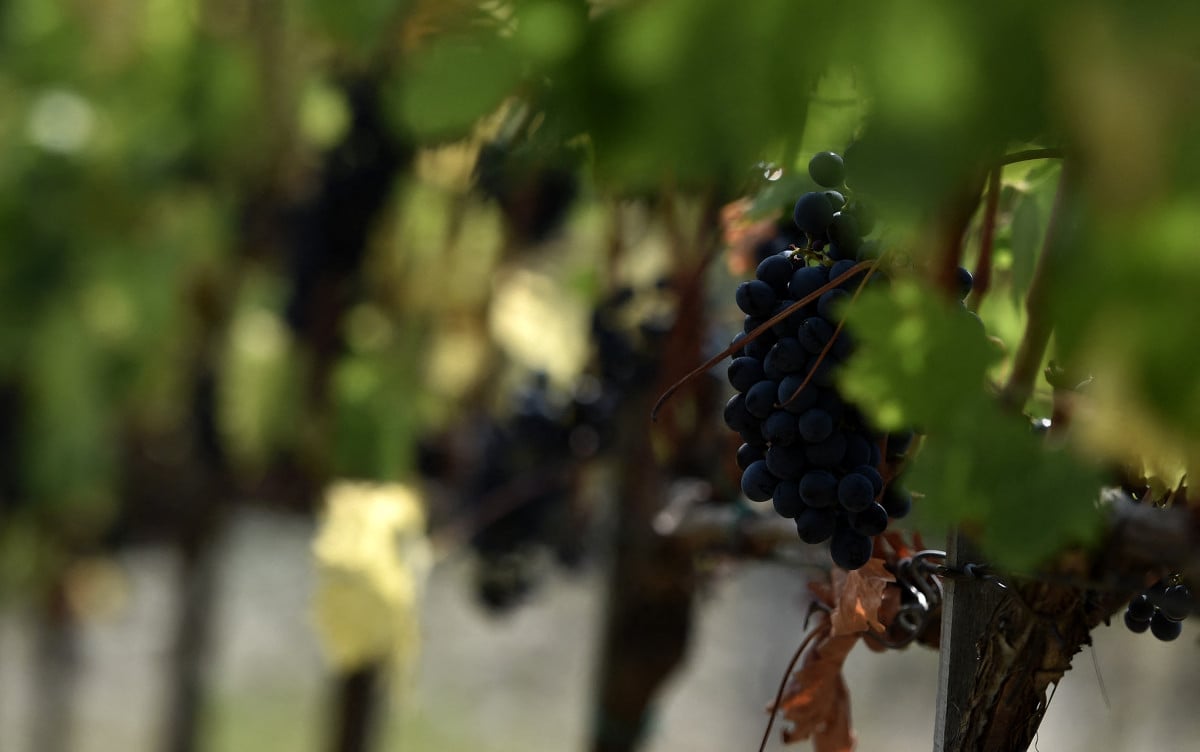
(858, 596)
(816, 700)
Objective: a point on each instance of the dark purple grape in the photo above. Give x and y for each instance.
(780, 428)
(850, 549)
(744, 373)
(836, 199)
(787, 355)
(802, 401)
(815, 425)
(1136, 626)
(760, 346)
(1165, 629)
(855, 492)
(897, 501)
(813, 213)
(757, 481)
(760, 399)
(748, 453)
(827, 169)
(829, 303)
(829, 452)
(818, 488)
(776, 271)
(786, 499)
(845, 234)
(872, 475)
(816, 525)
(755, 298)
(1140, 608)
(737, 416)
(870, 521)
(807, 280)
(1176, 602)
(737, 338)
(965, 282)
(814, 334)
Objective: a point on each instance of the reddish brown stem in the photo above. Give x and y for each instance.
(758, 332)
(783, 685)
(1038, 326)
(987, 240)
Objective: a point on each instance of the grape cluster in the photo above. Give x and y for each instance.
(805, 448)
(1161, 609)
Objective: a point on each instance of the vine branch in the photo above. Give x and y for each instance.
(1038, 325)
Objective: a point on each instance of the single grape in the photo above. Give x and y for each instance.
(829, 303)
(827, 169)
(1140, 608)
(807, 280)
(790, 400)
(850, 549)
(965, 282)
(897, 501)
(1165, 629)
(757, 481)
(737, 416)
(750, 323)
(841, 267)
(780, 428)
(760, 399)
(1176, 602)
(759, 347)
(845, 234)
(744, 372)
(870, 521)
(737, 338)
(1136, 626)
(786, 461)
(818, 488)
(788, 355)
(813, 213)
(755, 298)
(836, 199)
(855, 492)
(865, 217)
(814, 334)
(747, 454)
(816, 525)
(776, 271)
(786, 499)
(815, 425)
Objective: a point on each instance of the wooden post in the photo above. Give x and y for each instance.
(967, 609)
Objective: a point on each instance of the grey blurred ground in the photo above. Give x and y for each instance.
(521, 683)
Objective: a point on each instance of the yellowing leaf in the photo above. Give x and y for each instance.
(372, 557)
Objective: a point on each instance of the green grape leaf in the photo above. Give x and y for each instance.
(920, 358)
(453, 83)
(922, 362)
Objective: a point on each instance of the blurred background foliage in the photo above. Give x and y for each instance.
(253, 246)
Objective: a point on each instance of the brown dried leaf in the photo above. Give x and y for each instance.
(858, 595)
(816, 701)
